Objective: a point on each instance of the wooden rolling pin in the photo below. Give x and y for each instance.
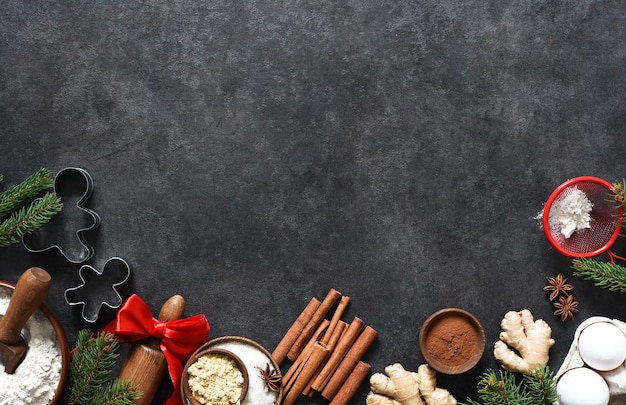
(145, 363)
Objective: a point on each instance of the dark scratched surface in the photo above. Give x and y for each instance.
(250, 155)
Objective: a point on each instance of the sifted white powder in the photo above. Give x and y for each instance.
(36, 379)
(570, 213)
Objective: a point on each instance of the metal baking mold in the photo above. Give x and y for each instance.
(99, 288)
(74, 186)
(615, 379)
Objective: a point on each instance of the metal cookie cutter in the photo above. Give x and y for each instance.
(99, 288)
(74, 186)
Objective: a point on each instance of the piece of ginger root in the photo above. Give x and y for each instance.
(402, 387)
(531, 339)
(427, 381)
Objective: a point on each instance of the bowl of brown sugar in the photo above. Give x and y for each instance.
(452, 341)
(214, 376)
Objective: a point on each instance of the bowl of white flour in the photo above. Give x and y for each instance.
(40, 378)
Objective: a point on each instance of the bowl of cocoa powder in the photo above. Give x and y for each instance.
(41, 377)
(452, 341)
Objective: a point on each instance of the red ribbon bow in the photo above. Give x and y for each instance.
(179, 338)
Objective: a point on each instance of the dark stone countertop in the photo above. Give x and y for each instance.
(251, 155)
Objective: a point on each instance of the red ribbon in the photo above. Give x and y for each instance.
(179, 338)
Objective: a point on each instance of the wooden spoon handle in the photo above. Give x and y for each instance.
(30, 291)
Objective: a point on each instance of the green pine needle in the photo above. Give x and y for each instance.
(542, 386)
(90, 373)
(30, 187)
(118, 392)
(605, 275)
(27, 219)
(91, 366)
(537, 389)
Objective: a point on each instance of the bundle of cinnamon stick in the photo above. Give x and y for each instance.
(326, 353)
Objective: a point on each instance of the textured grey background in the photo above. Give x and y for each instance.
(250, 155)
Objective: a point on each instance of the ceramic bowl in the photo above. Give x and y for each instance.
(452, 341)
(186, 393)
(256, 358)
(62, 343)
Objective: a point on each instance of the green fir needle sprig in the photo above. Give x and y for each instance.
(90, 373)
(18, 216)
(606, 275)
(539, 388)
(30, 187)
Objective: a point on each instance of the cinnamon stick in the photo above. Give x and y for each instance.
(280, 352)
(341, 308)
(337, 334)
(349, 362)
(351, 385)
(334, 338)
(339, 352)
(330, 300)
(318, 355)
(292, 372)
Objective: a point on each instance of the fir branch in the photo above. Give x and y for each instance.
(619, 194)
(605, 275)
(90, 371)
(541, 386)
(27, 219)
(118, 392)
(504, 391)
(537, 389)
(30, 187)
(91, 367)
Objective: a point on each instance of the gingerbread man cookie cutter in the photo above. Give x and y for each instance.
(74, 186)
(99, 289)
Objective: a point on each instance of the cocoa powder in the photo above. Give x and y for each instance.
(452, 341)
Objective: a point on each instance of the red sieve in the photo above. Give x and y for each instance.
(605, 219)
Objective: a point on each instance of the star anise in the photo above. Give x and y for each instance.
(557, 286)
(566, 307)
(271, 377)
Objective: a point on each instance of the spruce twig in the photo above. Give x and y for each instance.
(90, 371)
(30, 187)
(605, 275)
(117, 392)
(539, 388)
(619, 194)
(27, 219)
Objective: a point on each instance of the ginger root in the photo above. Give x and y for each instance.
(427, 380)
(402, 387)
(531, 339)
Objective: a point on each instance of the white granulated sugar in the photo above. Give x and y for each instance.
(570, 213)
(36, 379)
(253, 358)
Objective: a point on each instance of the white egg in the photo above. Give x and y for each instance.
(582, 386)
(602, 346)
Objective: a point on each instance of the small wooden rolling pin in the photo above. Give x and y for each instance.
(146, 364)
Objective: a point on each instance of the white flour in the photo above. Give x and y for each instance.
(570, 212)
(36, 379)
